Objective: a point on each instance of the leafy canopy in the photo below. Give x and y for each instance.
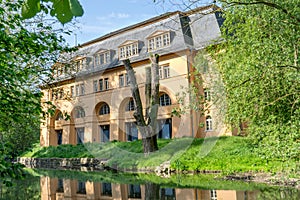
(63, 10)
(259, 63)
(27, 52)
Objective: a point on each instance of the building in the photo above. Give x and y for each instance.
(91, 85)
(59, 189)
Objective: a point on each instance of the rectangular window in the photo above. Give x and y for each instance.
(122, 52)
(151, 44)
(77, 90)
(160, 72)
(166, 39)
(106, 83)
(72, 91)
(166, 71)
(207, 96)
(127, 80)
(80, 135)
(159, 41)
(106, 189)
(95, 86)
(102, 59)
(61, 94)
(82, 90)
(128, 50)
(134, 191)
(131, 131)
(101, 84)
(121, 80)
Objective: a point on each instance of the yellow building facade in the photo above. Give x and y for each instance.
(92, 87)
(59, 189)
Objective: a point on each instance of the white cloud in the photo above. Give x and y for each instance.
(113, 15)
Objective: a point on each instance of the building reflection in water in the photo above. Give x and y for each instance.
(66, 189)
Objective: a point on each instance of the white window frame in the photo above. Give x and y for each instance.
(208, 123)
(102, 58)
(159, 41)
(128, 50)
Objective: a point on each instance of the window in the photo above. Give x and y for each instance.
(102, 58)
(213, 195)
(79, 112)
(128, 50)
(104, 133)
(59, 136)
(101, 84)
(59, 116)
(106, 83)
(208, 124)
(127, 80)
(77, 90)
(121, 80)
(81, 188)
(80, 135)
(104, 110)
(130, 106)
(95, 85)
(60, 93)
(82, 90)
(164, 72)
(60, 186)
(164, 128)
(72, 91)
(131, 131)
(164, 100)
(167, 193)
(78, 65)
(106, 189)
(207, 96)
(158, 40)
(134, 191)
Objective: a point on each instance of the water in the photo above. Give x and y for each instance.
(69, 185)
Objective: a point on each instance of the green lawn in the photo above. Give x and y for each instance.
(229, 154)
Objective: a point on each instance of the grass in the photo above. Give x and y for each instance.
(229, 154)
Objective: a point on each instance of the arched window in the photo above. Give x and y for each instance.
(79, 112)
(59, 116)
(130, 106)
(104, 109)
(208, 124)
(164, 100)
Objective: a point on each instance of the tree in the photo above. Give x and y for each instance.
(63, 10)
(146, 123)
(28, 50)
(260, 67)
(259, 63)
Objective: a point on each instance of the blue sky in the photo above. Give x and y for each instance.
(104, 16)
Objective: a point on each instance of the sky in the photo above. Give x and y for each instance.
(104, 16)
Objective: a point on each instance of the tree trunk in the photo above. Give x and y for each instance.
(151, 191)
(147, 124)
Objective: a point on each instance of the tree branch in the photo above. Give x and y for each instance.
(269, 4)
(138, 114)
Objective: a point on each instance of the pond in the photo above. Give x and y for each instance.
(59, 185)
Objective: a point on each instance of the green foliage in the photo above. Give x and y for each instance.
(63, 10)
(259, 64)
(229, 154)
(27, 53)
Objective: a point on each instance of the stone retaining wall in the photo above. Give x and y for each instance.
(63, 163)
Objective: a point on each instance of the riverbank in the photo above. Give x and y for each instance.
(226, 155)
